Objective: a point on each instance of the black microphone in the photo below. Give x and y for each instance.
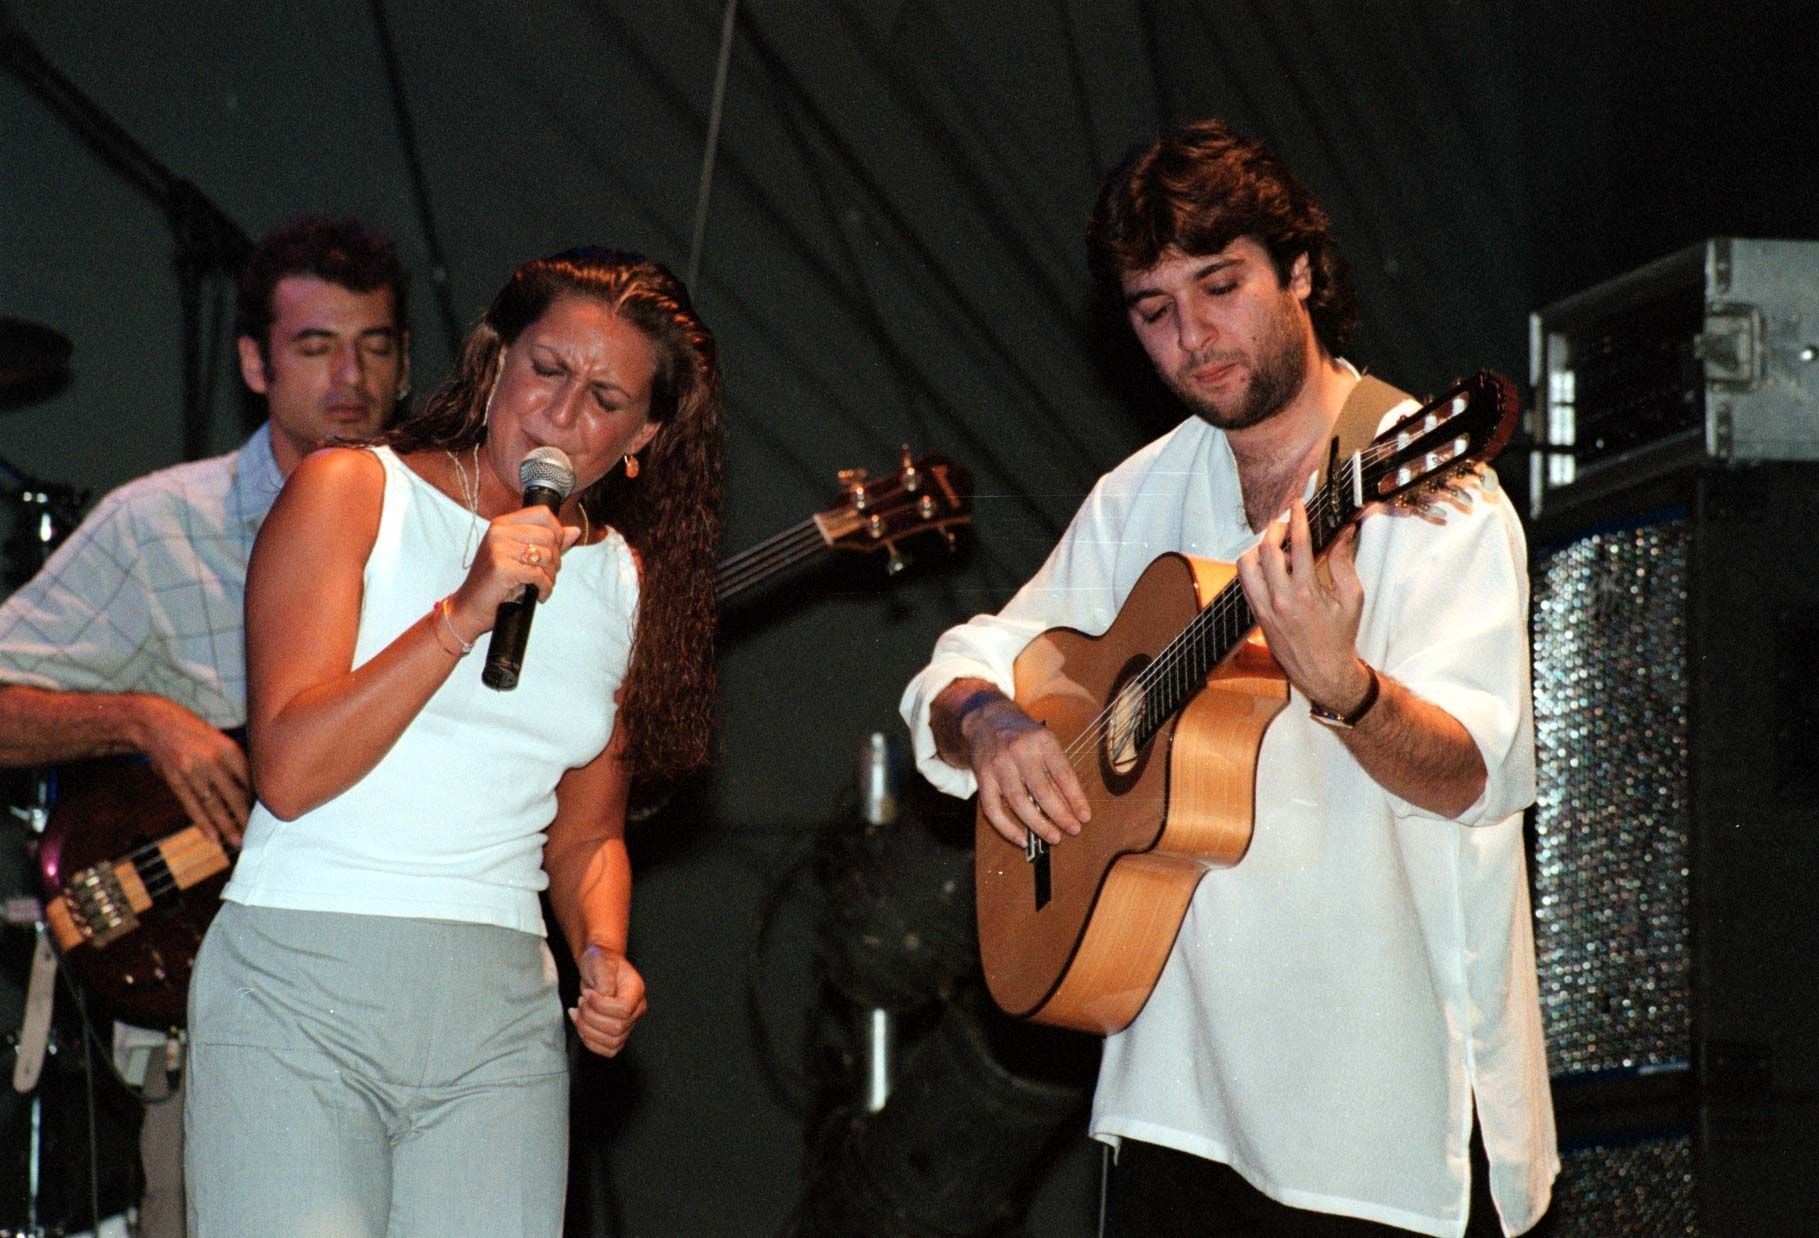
(547, 477)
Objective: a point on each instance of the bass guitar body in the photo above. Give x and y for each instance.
(1076, 934)
(129, 888)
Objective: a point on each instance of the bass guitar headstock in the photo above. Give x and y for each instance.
(930, 494)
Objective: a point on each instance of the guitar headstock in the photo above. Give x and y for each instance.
(1466, 424)
(930, 494)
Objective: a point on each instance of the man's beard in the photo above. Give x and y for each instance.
(1276, 375)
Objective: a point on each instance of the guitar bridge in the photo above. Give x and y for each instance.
(1035, 853)
(98, 903)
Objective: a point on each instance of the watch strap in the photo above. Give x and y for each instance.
(1346, 721)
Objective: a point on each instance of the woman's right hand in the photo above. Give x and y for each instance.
(519, 548)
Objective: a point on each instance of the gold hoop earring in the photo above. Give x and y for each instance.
(631, 465)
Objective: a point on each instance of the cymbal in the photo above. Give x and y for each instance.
(33, 359)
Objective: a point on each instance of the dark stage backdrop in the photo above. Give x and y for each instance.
(892, 255)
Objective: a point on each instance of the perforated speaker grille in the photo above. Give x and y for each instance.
(1613, 814)
(1646, 1187)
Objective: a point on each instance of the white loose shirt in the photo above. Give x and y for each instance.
(1335, 1002)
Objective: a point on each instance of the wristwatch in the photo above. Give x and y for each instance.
(1345, 722)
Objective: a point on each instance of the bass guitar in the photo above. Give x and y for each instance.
(1161, 717)
(130, 885)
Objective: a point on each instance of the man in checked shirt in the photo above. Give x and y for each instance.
(130, 639)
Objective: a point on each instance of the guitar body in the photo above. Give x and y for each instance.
(129, 887)
(1162, 718)
(1081, 944)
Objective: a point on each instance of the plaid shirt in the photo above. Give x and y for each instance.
(147, 595)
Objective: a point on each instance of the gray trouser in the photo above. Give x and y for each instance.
(369, 1075)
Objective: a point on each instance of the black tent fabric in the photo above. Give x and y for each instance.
(891, 255)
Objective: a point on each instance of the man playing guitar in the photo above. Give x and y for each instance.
(1348, 1018)
(130, 639)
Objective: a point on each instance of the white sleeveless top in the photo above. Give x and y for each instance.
(449, 825)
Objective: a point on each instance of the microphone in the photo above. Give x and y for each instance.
(547, 478)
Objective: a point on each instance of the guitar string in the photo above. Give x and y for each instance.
(1175, 656)
(795, 530)
(804, 538)
(784, 541)
(171, 880)
(810, 524)
(747, 569)
(750, 571)
(728, 587)
(1230, 605)
(1190, 638)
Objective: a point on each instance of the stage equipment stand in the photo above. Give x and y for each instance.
(931, 1113)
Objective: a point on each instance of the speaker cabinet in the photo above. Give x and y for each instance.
(1676, 839)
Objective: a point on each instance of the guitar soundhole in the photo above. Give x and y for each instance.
(1124, 748)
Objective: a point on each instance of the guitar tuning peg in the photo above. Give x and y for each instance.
(912, 479)
(853, 481)
(894, 561)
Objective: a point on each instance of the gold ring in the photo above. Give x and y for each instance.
(530, 555)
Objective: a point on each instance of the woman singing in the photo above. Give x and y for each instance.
(376, 1042)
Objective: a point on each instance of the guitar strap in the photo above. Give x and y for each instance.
(1358, 420)
(1357, 426)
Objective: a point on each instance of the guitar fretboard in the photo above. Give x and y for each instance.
(773, 554)
(1210, 637)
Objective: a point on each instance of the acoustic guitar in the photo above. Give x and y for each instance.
(1162, 716)
(130, 885)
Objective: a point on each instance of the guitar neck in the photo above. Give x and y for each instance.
(1213, 635)
(1469, 422)
(772, 555)
(106, 900)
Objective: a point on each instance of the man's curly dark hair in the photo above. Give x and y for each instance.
(1198, 188)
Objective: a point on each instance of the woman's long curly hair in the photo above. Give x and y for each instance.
(670, 515)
